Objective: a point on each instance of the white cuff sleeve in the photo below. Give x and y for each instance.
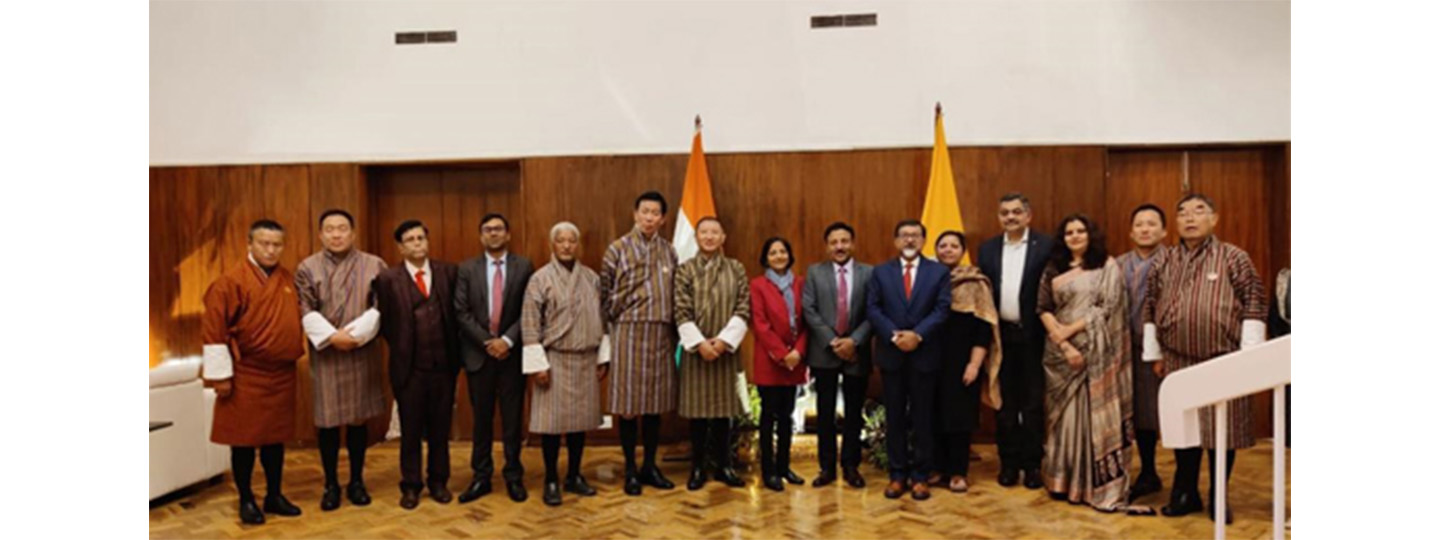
(690, 336)
(1150, 351)
(734, 332)
(508, 343)
(605, 349)
(1252, 333)
(217, 364)
(533, 359)
(318, 330)
(366, 326)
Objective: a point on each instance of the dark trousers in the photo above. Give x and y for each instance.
(777, 405)
(426, 406)
(1020, 422)
(1187, 470)
(952, 453)
(497, 381)
(242, 466)
(910, 413)
(827, 382)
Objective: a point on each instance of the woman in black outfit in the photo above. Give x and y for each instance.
(966, 340)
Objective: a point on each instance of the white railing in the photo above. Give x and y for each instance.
(1213, 383)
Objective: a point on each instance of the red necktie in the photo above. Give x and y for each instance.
(497, 297)
(842, 306)
(420, 282)
(907, 281)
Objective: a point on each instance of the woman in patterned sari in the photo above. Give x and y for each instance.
(1088, 390)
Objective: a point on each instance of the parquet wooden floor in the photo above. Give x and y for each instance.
(987, 511)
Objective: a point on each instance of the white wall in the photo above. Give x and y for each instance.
(283, 81)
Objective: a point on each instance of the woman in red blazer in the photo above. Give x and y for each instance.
(775, 311)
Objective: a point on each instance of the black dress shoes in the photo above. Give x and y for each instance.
(516, 489)
(773, 483)
(357, 494)
(251, 514)
(331, 499)
(440, 493)
(578, 486)
(409, 498)
(1182, 504)
(551, 495)
(1145, 485)
(632, 485)
(826, 478)
(1033, 480)
(1008, 477)
(697, 479)
(652, 477)
(277, 504)
(792, 478)
(729, 478)
(854, 478)
(478, 487)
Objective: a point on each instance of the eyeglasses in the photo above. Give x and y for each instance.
(909, 236)
(1196, 213)
(493, 229)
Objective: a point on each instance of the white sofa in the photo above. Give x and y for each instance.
(182, 454)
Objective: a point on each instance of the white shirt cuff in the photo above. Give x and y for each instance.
(508, 343)
(734, 332)
(690, 336)
(217, 364)
(318, 330)
(605, 349)
(366, 326)
(533, 359)
(1150, 351)
(1252, 333)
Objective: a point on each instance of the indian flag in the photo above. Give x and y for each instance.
(942, 206)
(695, 201)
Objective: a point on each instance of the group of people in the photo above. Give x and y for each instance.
(1065, 342)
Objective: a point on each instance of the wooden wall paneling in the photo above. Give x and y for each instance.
(183, 256)
(1079, 176)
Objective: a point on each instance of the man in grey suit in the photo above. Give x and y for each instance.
(834, 304)
(489, 292)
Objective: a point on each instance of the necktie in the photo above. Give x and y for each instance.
(497, 297)
(842, 306)
(420, 282)
(907, 281)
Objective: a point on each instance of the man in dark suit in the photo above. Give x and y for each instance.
(418, 321)
(833, 300)
(1014, 261)
(908, 299)
(489, 292)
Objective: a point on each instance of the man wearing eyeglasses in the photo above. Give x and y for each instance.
(1014, 261)
(1203, 299)
(489, 291)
